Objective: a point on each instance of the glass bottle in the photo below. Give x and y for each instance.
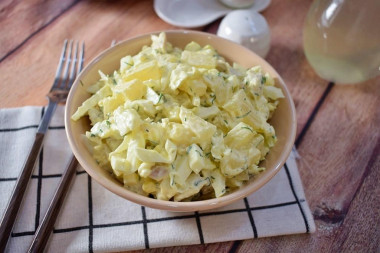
(342, 39)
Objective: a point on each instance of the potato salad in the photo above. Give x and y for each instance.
(181, 124)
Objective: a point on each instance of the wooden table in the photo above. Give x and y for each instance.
(338, 134)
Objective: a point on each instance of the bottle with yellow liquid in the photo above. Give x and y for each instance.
(342, 39)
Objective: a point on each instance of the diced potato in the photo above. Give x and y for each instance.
(171, 150)
(222, 89)
(95, 115)
(255, 169)
(217, 180)
(272, 92)
(151, 95)
(199, 59)
(120, 165)
(104, 129)
(166, 191)
(218, 146)
(137, 141)
(207, 112)
(233, 162)
(110, 104)
(240, 136)
(201, 128)
(126, 120)
(197, 159)
(131, 179)
(143, 72)
(91, 102)
(160, 43)
(150, 186)
(180, 74)
(193, 47)
(194, 87)
(180, 171)
(150, 156)
(194, 184)
(181, 135)
(126, 63)
(132, 90)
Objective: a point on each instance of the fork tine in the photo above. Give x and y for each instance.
(64, 78)
(78, 62)
(59, 68)
(73, 65)
(81, 59)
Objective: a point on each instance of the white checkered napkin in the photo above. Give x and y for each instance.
(94, 219)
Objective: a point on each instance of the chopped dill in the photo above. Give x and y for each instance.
(196, 183)
(213, 96)
(244, 115)
(189, 148)
(199, 153)
(248, 128)
(161, 96)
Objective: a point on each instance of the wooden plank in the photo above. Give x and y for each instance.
(361, 231)
(223, 247)
(97, 23)
(339, 169)
(22, 19)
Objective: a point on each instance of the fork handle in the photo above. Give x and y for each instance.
(44, 230)
(19, 190)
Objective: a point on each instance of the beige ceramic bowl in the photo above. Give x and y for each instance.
(283, 120)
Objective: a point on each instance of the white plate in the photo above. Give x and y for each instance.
(195, 13)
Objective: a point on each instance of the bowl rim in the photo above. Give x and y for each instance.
(171, 205)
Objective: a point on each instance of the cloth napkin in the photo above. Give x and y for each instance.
(94, 219)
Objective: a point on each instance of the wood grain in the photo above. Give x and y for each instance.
(95, 22)
(339, 157)
(356, 235)
(339, 163)
(23, 19)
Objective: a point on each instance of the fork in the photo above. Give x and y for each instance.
(44, 230)
(63, 81)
